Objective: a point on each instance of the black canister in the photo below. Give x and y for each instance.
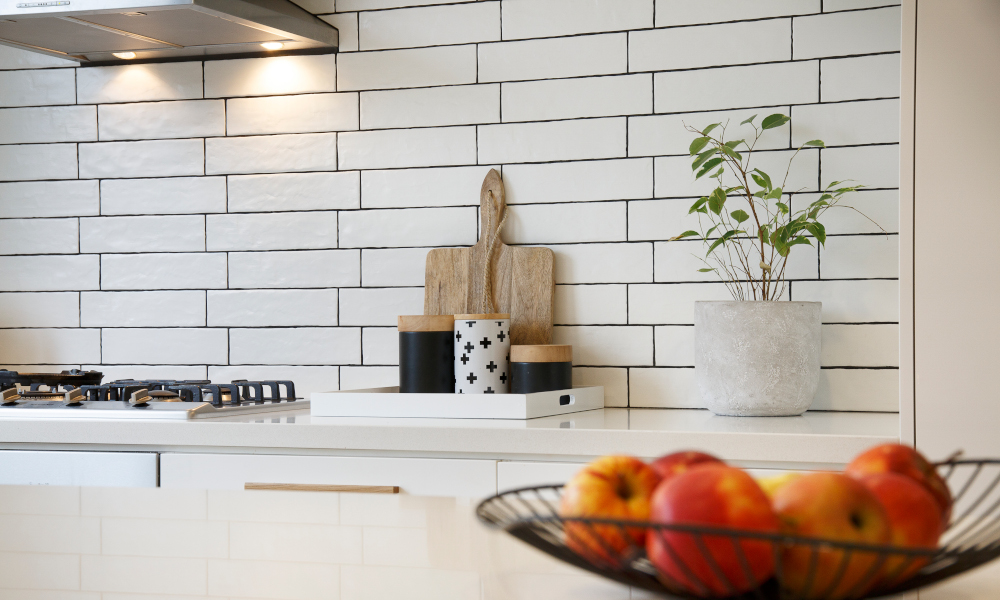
(426, 354)
(541, 368)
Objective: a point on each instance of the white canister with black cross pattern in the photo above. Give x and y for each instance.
(482, 354)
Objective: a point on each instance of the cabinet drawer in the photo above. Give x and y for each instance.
(105, 469)
(417, 476)
(513, 474)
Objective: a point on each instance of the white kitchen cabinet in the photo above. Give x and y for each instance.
(417, 476)
(104, 469)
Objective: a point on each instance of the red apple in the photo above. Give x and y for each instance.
(914, 518)
(835, 507)
(906, 461)
(717, 496)
(674, 464)
(611, 487)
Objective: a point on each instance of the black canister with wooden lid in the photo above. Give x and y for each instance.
(541, 368)
(426, 354)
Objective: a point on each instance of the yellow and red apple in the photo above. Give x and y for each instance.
(674, 464)
(897, 458)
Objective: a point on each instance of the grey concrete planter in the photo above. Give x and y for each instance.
(757, 359)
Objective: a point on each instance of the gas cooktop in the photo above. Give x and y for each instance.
(80, 394)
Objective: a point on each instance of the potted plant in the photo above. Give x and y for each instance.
(755, 355)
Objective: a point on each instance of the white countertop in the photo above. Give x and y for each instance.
(815, 437)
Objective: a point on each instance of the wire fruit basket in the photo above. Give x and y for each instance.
(717, 563)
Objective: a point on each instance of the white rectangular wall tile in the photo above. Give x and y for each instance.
(431, 26)
(158, 120)
(171, 195)
(736, 87)
(272, 231)
(303, 269)
(860, 346)
(605, 54)
(872, 166)
(38, 236)
(683, 12)
(299, 543)
(674, 346)
(294, 191)
(393, 267)
(50, 346)
(663, 388)
(379, 306)
(307, 379)
(558, 140)
(860, 256)
(614, 380)
(875, 390)
(171, 271)
(578, 181)
(297, 346)
(270, 579)
(307, 113)
(864, 301)
(612, 345)
(574, 98)
(142, 234)
(178, 346)
(710, 45)
(15, 58)
(431, 107)
(421, 67)
(411, 227)
(49, 199)
(164, 538)
(860, 77)
(37, 88)
(590, 305)
(139, 83)
(667, 134)
(566, 223)
(379, 346)
(680, 260)
(362, 378)
(56, 309)
(402, 188)
(847, 123)
(394, 148)
(271, 153)
(45, 124)
(670, 304)
(271, 308)
(143, 309)
(347, 27)
(73, 272)
(106, 160)
(38, 161)
(524, 19)
(846, 33)
(271, 76)
(880, 206)
(603, 263)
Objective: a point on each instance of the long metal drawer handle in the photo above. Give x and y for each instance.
(318, 487)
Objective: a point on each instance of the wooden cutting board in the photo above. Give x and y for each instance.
(521, 279)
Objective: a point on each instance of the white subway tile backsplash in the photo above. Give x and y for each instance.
(395, 148)
(44, 124)
(864, 301)
(379, 306)
(860, 256)
(15, 58)
(171, 271)
(37, 88)
(847, 33)
(573, 98)
(171, 195)
(49, 199)
(590, 305)
(410, 227)
(603, 263)
(50, 346)
(29, 570)
(142, 234)
(566, 223)
(271, 579)
(858, 390)
(710, 45)
(663, 388)
(421, 67)
(578, 181)
(347, 27)
(299, 543)
(847, 123)
(302, 269)
(271, 153)
(684, 12)
(165, 158)
(872, 166)
(524, 19)
(674, 346)
(612, 345)
(860, 346)
(680, 260)
(431, 26)
(308, 113)
(38, 236)
(402, 188)
(666, 134)
(271, 76)
(379, 346)
(670, 304)
(38, 161)
(393, 266)
(139, 83)
(860, 77)
(660, 219)
(159, 120)
(605, 54)
(271, 308)
(272, 231)
(431, 107)
(164, 538)
(73, 272)
(176, 346)
(736, 87)
(558, 140)
(614, 380)
(361, 378)
(180, 576)
(296, 346)
(56, 309)
(674, 177)
(143, 309)
(294, 191)
(307, 380)
(880, 206)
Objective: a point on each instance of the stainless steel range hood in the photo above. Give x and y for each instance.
(97, 32)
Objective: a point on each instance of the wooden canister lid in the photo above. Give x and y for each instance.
(481, 317)
(426, 323)
(541, 353)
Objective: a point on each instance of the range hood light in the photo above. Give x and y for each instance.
(124, 55)
(273, 45)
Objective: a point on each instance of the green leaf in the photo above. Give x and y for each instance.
(759, 180)
(799, 240)
(716, 200)
(698, 204)
(732, 153)
(739, 215)
(772, 121)
(697, 144)
(705, 270)
(687, 233)
(818, 231)
(719, 173)
(734, 143)
(702, 158)
(708, 166)
(817, 143)
(709, 233)
(722, 240)
(774, 195)
(750, 120)
(710, 128)
(783, 207)
(765, 177)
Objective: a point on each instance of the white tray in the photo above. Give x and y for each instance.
(388, 402)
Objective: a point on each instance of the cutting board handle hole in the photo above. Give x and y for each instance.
(567, 400)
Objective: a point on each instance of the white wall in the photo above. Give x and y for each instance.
(271, 216)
